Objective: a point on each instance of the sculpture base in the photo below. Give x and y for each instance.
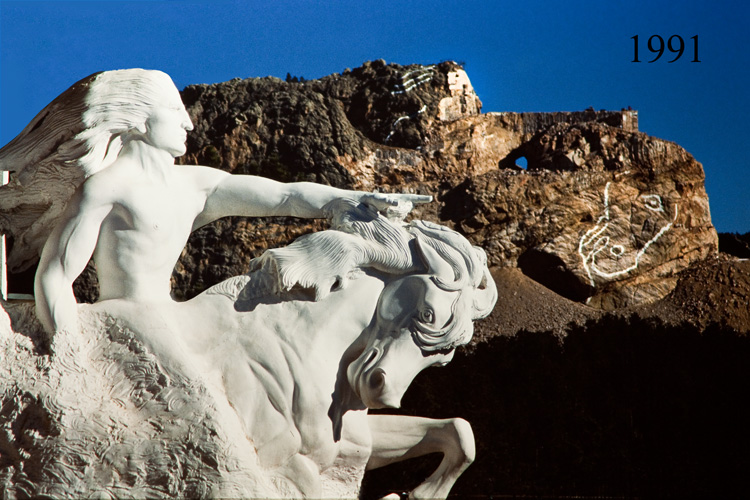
(104, 417)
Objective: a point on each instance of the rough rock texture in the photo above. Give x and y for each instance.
(105, 418)
(603, 214)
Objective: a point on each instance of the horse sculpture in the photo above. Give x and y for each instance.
(316, 333)
(257, 388)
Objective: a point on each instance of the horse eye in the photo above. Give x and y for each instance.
(427, 316)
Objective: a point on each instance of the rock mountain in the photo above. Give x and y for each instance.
(601, 213)
(615, 361)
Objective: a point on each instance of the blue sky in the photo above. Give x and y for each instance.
(520, 56)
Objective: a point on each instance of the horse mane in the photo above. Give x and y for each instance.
(468, 275)
(359, 239)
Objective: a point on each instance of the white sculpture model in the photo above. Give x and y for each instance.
(135, 210)
(284, 360)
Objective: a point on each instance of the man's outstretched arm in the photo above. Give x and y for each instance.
(253, 196)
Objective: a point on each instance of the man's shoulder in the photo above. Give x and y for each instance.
(104, 187)
(201, 171)
(202, 178)
(100, 183)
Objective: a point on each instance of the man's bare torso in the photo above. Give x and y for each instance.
(143, 235)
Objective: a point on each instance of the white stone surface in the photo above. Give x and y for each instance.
(257, 388)
(254, 388)
(134, 209)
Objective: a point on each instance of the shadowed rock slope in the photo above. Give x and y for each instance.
(566, 400)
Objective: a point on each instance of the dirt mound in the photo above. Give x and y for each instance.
(524, 304)
(715, 291)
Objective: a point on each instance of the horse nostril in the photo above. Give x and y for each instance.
(377, 379)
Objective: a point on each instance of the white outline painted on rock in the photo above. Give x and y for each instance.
(653, 202)
(405, 117)
(424, 75)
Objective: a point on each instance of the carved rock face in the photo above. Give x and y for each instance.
(613, 231)
(167, 126)
(417, 128)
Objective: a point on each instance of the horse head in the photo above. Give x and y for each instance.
(629, 224)
(435, 284)
(420, 319)
(342, 320)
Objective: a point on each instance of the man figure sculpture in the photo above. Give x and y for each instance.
(135, 209)
(254, 398)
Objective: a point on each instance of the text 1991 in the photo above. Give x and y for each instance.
(675, 44)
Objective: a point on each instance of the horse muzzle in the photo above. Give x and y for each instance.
(383, 372)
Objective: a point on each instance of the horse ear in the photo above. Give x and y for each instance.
(436, 265)
(485, 296)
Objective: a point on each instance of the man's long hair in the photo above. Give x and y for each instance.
(76, 135)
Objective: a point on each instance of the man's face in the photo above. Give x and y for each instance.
(167, 126)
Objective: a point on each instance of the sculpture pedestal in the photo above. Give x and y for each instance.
(103, 418)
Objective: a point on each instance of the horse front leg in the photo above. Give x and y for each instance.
(398, 437)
